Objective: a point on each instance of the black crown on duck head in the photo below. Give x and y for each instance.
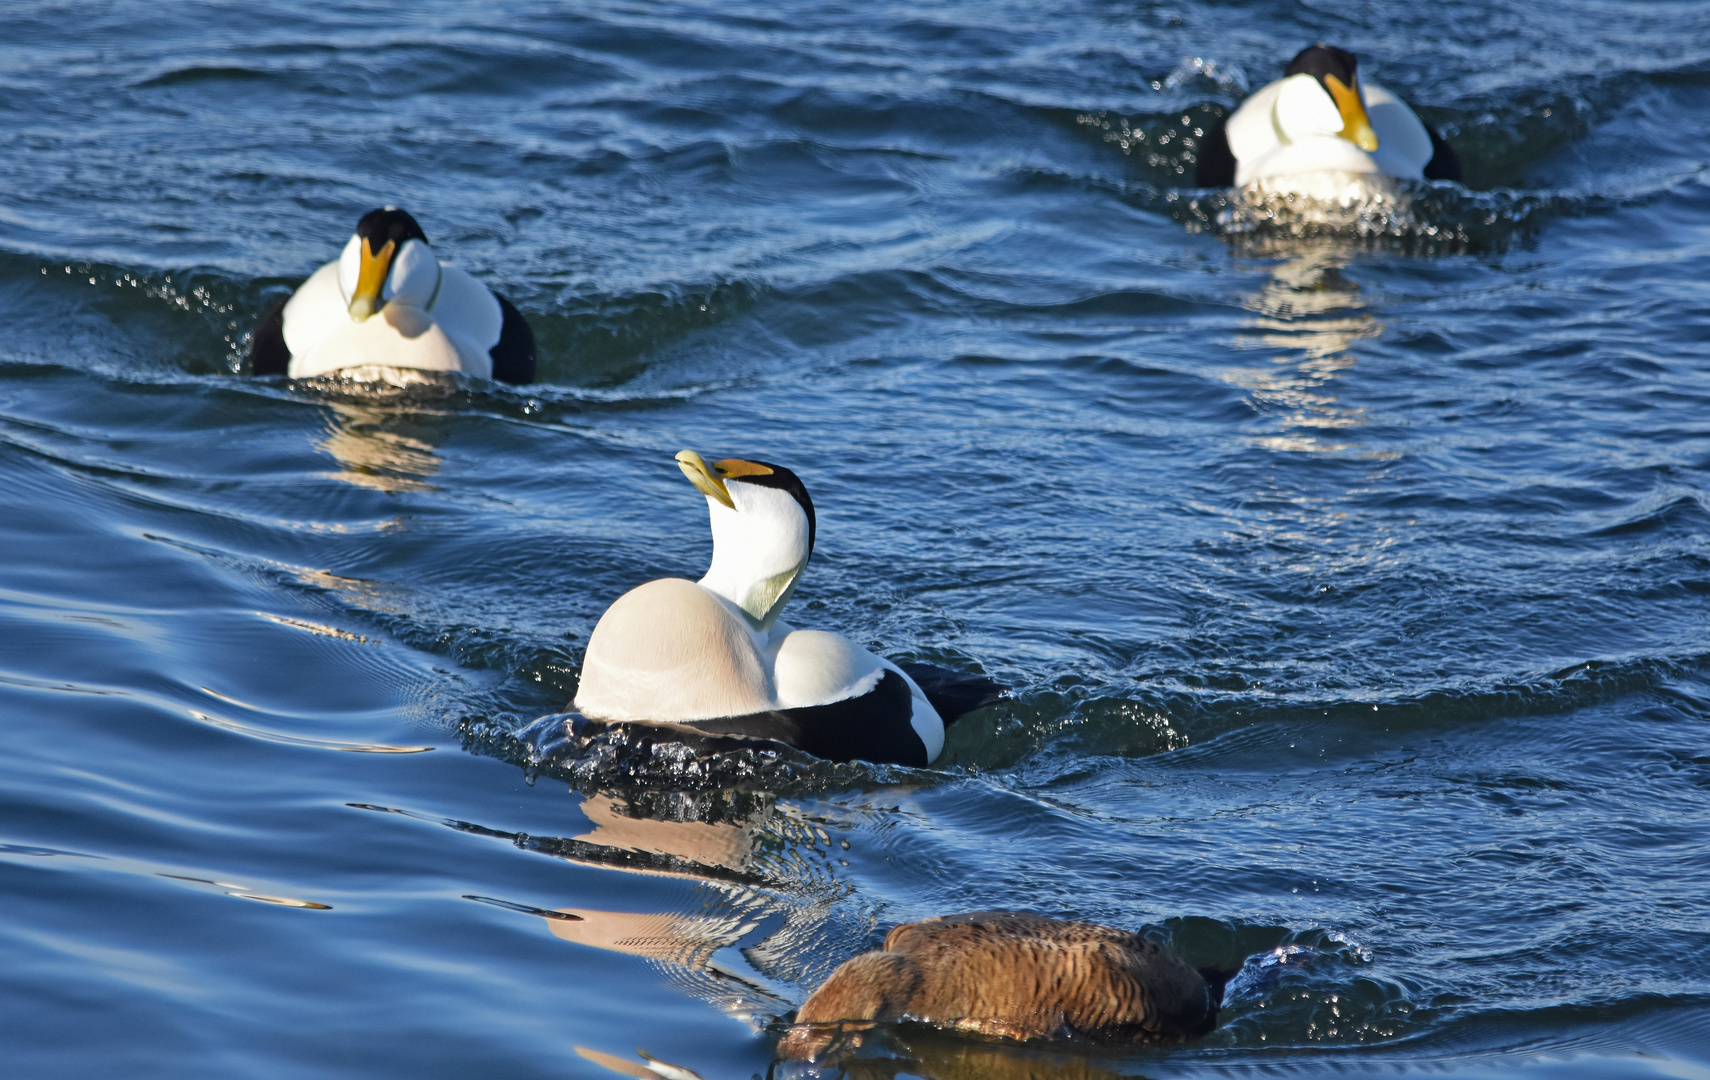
(389, 223)
(1321, 60)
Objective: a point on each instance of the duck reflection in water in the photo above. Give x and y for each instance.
(913, 1050)
(763, 905)
(385, 445)
(1314, 314)
(918, 1050)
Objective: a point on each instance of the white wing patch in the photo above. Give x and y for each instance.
(469, 312)
(816, 667)
(1404, 146)
(314, 311)
(925, 719)
(1251, 131)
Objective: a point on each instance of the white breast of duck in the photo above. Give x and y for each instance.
(714, 655)
(388, 301)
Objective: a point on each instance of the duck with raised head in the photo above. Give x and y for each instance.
(1317, 126)
(387, 303)
(713, 657)
(1012, 975)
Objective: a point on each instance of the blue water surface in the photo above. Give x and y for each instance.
(1352, 581)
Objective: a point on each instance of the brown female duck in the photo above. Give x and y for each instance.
(1013, 975)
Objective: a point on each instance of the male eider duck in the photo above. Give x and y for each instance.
(1306, 132)
(388, 303)
(1013, 975)
(712, 657)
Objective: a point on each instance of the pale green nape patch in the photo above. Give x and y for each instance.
(766, 598)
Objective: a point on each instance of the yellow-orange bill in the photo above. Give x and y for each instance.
(1356, 125)
(365, 301)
